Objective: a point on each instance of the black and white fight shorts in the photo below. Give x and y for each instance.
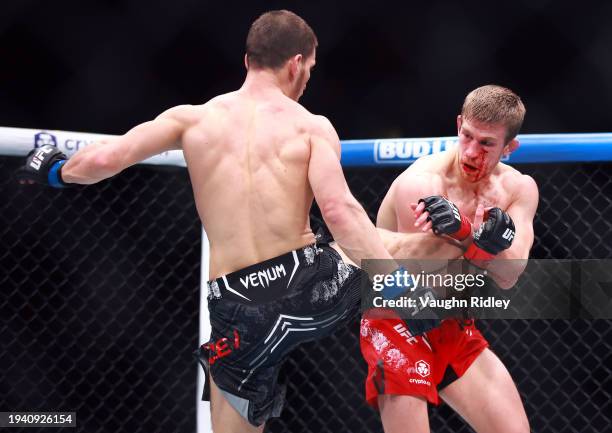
(260, 313)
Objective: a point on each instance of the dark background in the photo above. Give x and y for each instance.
(100, 285)
(385, 69)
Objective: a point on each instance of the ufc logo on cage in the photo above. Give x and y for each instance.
(508, 235)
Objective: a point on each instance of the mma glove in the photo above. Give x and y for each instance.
(421, 319)
(446, 218)
(418, 318)
(494, 235)
(44, 166)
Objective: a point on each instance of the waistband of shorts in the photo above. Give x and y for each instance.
(269, 268)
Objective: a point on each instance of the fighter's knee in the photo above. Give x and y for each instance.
(403, 402)
(334, 211)
(395, 409)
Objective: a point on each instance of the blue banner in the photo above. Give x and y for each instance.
(534, 148)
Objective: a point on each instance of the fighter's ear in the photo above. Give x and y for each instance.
(246, 61)
(295, 63)
(459, 123)
(511, 146)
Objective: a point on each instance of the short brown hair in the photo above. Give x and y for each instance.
(276, 36)
(495, 104)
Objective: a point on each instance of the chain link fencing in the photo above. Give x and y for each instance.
(100, 296)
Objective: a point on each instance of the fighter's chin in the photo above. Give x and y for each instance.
(469, 172)
(467, 177)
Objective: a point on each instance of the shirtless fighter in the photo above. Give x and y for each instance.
(256, 159)
(429, 204)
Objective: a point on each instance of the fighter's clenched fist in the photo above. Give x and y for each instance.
(43, 165)
(494, 235)
(446, 218)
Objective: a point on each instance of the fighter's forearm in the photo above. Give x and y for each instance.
(506, 272)
(94, 163)
(104, 159)
(355, 233)
(508, 266)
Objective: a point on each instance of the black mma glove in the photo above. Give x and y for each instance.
(445, 217)
(422, 319)
(44, 166)
(419, 319)
(494, 235)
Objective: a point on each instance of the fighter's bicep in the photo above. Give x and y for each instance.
(148, 139)
(524, 235)
(408, 189)
(522, 211)
(325, 172)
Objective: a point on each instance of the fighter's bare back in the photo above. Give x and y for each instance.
(248, 157)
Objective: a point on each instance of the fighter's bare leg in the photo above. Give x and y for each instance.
(225, 419)
(403, 414)
(345, 258)
(396, 409)
(487, 398)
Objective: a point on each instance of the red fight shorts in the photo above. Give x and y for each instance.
(401, 364)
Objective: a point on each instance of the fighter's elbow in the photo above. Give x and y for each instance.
(505, 283)
(508, 271)
(400, 247)
(336, 211)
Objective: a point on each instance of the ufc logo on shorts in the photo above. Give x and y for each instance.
(508, 235)
(401, 330)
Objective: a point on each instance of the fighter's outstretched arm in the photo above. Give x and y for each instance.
(104, 159)
(345, 217)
